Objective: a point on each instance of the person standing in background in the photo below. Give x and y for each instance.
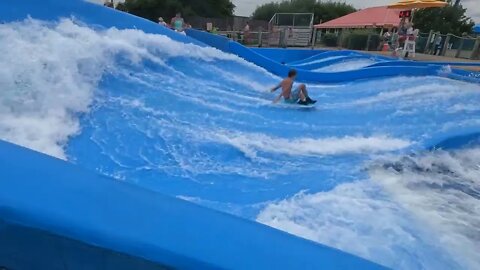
(108, 3)
(431, 45)
(438, 44)
(246, 33)
(162, 22)
(177, 23)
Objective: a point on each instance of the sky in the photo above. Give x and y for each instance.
(246, 7)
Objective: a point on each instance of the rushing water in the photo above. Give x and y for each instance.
(347, 65)
(199, 124)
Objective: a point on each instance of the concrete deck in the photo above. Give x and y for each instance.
(435, 58)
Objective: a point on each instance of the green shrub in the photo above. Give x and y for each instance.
(357, 39)
(344, 38)
(330, 40)
(375, 40)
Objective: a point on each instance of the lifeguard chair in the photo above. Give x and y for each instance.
(409, 46)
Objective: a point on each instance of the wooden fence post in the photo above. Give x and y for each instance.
(260, 36)
(314, 38)
(460, 48)
(445, 45)
(427, 45)
(369, 38)
(476, 50)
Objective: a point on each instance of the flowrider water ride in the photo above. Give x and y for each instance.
(125, 145)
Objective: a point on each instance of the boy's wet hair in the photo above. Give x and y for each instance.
(292, 73)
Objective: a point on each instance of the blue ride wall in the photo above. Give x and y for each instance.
(286, 55)
(226, 45)
(54, 215)
(47, 203)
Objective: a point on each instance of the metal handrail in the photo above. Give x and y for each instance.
(275, 17)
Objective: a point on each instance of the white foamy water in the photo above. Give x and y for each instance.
(50, 71)
(407, 208)
(399, 219)
(321, 60)
(431, 93)
(347, 65)
(442, 191)
(250, 144)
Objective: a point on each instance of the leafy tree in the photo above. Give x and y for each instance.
(323, 11)
(327, 11)
(152, 9)
(449, 19)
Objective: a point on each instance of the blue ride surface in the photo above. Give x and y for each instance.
(54, 215)
(306, 75)
(332, 66)
(385, 168)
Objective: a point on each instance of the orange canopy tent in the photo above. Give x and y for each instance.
(411, 4)
(369, 17)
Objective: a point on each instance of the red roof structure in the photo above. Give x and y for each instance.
(369, 17)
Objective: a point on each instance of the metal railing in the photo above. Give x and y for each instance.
(254, 38)
(291, 29)
(427, 43)
(450, 45)
(292, 19)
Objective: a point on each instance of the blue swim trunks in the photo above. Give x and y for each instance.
(294, 96)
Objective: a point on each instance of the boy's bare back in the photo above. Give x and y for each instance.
(286, 85)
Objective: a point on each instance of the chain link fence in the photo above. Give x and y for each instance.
(258, 38)
(465, 47)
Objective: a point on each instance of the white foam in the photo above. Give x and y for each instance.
(467, 108)
(442, 190)
(425, 214)
(47, 78)
(346, 65)
(431, 92)
(321, 60)
(50, 72)
(251, 143)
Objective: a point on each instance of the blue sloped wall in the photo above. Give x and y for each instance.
(60, 212)
(279, 69)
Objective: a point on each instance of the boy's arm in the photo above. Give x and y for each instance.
(276, 87)
(277, 99)
(282, 94)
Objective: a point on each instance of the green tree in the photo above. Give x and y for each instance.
(449, 19)
(152, 9)
(323, 11)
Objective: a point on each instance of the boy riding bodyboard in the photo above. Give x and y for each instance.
(297, 96)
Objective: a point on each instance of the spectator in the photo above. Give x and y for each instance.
(386, 36)
(438, 44)
(402, 28)
(416, 33)
(108, 3)
(410, 31)
(402, 31)
(177, 23)
(431, 46)
(395, 42)
(162, 22)
(246, 33)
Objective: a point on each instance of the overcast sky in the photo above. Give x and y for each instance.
(246, 7)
